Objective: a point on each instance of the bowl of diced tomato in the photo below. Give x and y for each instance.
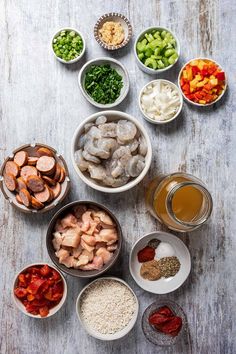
(202, 82)
(39, 290)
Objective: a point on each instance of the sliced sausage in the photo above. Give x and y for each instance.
(12, 168)
(27, 171)
(10, 181)
(21, 158)
(32, 160)
(43, 151)
(62, 176)
(43, 196)
(36, 204)
(25, 197)
(18, 199)
(51, 195)
(35, 183)
(20, 184)
(49, 181)
(56, 190)
(46, 164)
(57, 174)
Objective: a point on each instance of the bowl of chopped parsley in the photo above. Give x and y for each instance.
(68, 45)
(104, 82)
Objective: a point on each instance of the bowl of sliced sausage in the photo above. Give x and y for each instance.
(84, 239)
(34, 178)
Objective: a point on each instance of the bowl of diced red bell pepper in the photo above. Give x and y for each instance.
(202, 81)
(39, 290)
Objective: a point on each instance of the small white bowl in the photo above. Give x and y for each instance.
(141, 65)
(107, 337)
(115, 64)
(112, 116)
(163, 285)
(161, 121)
(195, 103)
(52, 311)
(83, 50)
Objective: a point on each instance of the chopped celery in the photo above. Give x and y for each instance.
(141, 56)
(173, 58)
(169, 52)
(141, 47)
(151, 62)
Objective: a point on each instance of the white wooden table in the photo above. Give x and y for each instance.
(40, 101)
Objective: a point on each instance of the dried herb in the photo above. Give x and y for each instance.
(169, 266)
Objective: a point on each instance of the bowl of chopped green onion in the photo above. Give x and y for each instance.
(104, 82)
(68, 45)
(156, 50)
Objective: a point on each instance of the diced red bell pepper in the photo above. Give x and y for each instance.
(204, 72)
(220, 76)
(45, 270)
(195, 70)
(20, 292)
(44, 311)
(186, 88)
(35, 284)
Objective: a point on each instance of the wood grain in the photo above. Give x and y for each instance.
(40, 101)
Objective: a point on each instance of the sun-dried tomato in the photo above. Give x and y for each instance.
(165, 321)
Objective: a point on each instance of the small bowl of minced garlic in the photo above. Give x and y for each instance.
(113, 31)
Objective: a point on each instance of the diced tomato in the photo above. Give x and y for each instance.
(34, 286)
(45, 270)
(43, 311)
(30, 297)
(39, 303)
(55, 275)
(57, 296)
(20, 292)
(33, 270)
(220, 76)
(32, 309)
(49, 295)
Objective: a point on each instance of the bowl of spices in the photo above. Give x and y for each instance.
(68, 45)
(113, 31)
(107, 308)
(159, 262)
(104, 82)
(164, 322)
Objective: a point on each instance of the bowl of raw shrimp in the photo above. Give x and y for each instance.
(111, 151)
(84, 239)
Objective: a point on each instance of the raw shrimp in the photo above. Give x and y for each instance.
(126, 130)
(101, 120)
(142, 146)
(97, 172)
(135, 166)
(80, 161)
(87, 156)
(108, 130)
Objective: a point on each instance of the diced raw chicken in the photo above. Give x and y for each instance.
(86, 218)
(112, 248)
(93, 228)
(100, 244)
(90, 240)
(69, 262)
(83, 259)
(62, 255)
(69, 221)
(95, 265)
(79, 210)
(98, 238)
(57, 240)
(108, 235)
(104, 217)
(104, 253)
(86, 246)
(71, 237)
(89, 254)
(58, 226)
(76, 252)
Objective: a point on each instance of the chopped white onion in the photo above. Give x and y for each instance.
(160, 101)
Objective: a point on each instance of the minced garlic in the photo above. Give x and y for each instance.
(112, 33)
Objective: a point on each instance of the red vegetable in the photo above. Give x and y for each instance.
(20, 292)
(45, 270)
(34, 286)
(165, 321)
(220, 76)
(146, 254)
(172, 327)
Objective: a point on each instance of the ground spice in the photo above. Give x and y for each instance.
(146, 254)
(169, 266)
(150, 270)
(154, 243)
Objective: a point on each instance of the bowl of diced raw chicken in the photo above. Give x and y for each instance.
(84, 239)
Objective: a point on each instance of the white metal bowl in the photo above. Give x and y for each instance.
(98, 335)
(163, 285)
(52, 311)
(160, 121)
(115, 64)
(195, 103)
(112, 116)
(83, 50)
(141, 65)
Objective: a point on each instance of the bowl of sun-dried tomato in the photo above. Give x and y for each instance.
(39, 290)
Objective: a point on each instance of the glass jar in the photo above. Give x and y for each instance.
(179, 200)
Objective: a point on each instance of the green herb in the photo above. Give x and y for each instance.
(169, 266)
(68, 45)
(103, 83)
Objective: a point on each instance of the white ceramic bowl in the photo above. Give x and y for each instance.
(83, 50)
(161, 121)
(115, 64)
(112, 116)
(195, 103)
(98, 335)
(163, 285)
(52, 311)
(140, 64)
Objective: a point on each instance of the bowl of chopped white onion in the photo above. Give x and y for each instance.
(160, 101)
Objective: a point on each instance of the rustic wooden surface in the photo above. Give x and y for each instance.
(40, 101)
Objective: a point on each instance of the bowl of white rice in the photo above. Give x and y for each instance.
(107, 308)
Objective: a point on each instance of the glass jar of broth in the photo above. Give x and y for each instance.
(180, 201)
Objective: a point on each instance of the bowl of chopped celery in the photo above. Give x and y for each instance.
(104, 82)
(68, 45)
(156, 50)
